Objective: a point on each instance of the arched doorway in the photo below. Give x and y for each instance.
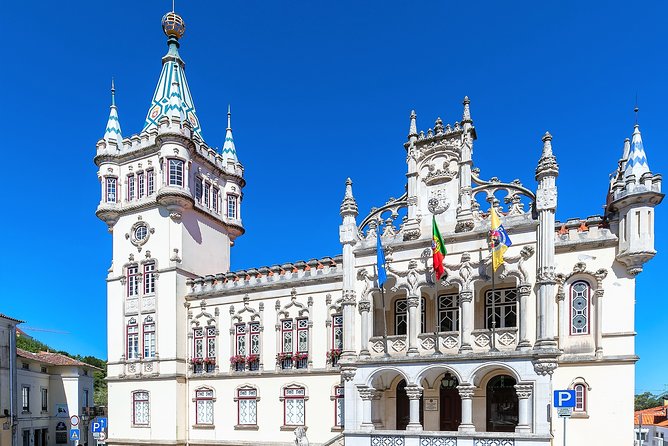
(450, 404)
(403, 407)
(502, 405)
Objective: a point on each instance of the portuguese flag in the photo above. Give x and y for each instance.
(438, 250)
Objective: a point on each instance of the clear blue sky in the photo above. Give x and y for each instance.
(319, 91)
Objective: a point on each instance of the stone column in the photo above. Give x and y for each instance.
(562, 318)
(367, 394)
(466, 394)
(464, 215)
(376, 403)
(413, 324)
(523, 395)
(348, 236)
(523, 339)
(414, 393)
(364, 308)
(598, 327)
(466, 318)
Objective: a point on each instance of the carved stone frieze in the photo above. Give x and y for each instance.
(348, 372)
(465, 226)
(466, 390)
(349, 297)
(545, 366)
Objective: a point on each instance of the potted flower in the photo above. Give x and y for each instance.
(301, 358)
(197, 361)
(253, 362)
(238, 362)
(333, 356)
(284, 359)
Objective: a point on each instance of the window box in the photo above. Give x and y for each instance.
(333, 356)
(253, 362)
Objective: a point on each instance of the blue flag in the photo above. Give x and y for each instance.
(382, 274)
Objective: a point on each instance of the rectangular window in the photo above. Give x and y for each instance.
(150, 182)
(110, 190)
(198, 346)
(247, 406)
(85, 398)
(240, 338)
(503, 304)
(448, 312)
(207, 193)
(141, 408)
(400, 317)
(337, 332)
(131, 187)
(45, 399)
(133, 339)
(149, 338)
(149, 278)
(231, 206)
(214, 199)
(294, 406)
(141, 184)
(211, 342)
(204, 406)
(254, 328)
(176, 172)
(25, 398)
(198, 189)
(133, 281)
(302, 335)
(338, 406)
(286, 336)
(25, 366)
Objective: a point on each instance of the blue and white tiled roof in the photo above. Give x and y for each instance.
(113, 130)
(229, 150)
(636, 164)
(172, 83)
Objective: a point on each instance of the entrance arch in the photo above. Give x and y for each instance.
(502, 404)
(450, 403)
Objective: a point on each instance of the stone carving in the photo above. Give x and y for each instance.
(398, 345)
(546, 198)
(466, 390)
(523, 391)
(545, 366)
(506, 338)
(450, 342)
(300, 437)
(427, 343)
(413, 392)
(482, 340)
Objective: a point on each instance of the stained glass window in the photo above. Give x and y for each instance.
(580, 308)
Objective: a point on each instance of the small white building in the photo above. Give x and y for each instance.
(50, 388)
(651, 426)
(201, 355)
(7, 378)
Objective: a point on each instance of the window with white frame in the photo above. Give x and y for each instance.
(503, 304)
(204, 343)
(338, 406)
(580, 397)
(337, 332)
(149, 337)
(247, 406)
(294, 406)
(175, 172)
(110, 192)
(231, 206)
(286, 335)
(131, 187)
(207, 193)
(45, 399)
(141, 184)
(204, 406)
(240, 339)
(198, 343)
(448, 312)
(25, 399)
(198, 189)
(133, 280)
(149, 278)
(580, 293)
(132, 339)
(214, 199)
(140, 408)
(401, 316)
(150, 182)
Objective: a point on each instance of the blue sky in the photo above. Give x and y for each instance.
(319, 91)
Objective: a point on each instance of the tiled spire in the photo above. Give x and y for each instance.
(113, 130)
(172, 69)
(174, 110)
(636, 163)
(229, 151)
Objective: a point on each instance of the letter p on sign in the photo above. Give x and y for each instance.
(564, 398)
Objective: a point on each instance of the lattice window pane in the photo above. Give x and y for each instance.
(302, 341)
(504, 303)
(448, 312)
(580, 308)
(141, 408)
(199, 348)
(204, 412)
(210, 347)
(255, 344)
(248, 411)
(294, 412)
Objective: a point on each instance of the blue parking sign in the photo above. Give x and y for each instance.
(564, 398)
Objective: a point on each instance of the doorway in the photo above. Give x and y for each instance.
(403, 407)
(450, 404)
(502, 404)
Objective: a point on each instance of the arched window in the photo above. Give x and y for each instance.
(502, 404)
(204, 406)
(580, 397)
(580, 292)
(401, 316)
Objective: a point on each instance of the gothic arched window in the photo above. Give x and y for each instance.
(580, 302)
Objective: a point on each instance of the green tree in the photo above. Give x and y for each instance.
(647, 400)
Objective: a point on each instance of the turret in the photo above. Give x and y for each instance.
(112, 141)
(349, 237)
(464, 214)
(634, 192)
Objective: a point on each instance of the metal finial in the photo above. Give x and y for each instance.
(636, 109)
(229, 116)
(113, 92)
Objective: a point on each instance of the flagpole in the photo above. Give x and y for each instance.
(493, 348)
(437, 348)
(382, 296)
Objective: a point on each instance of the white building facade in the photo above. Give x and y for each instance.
(8, 410)
(201, 355)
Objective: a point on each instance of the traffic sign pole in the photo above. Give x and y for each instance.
(565, 431)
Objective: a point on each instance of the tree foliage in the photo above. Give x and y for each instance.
(647, 400)
(99, 376)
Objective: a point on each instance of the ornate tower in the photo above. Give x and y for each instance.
(172, 204)
(634, 191)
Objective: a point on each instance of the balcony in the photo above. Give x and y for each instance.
(426, 438)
